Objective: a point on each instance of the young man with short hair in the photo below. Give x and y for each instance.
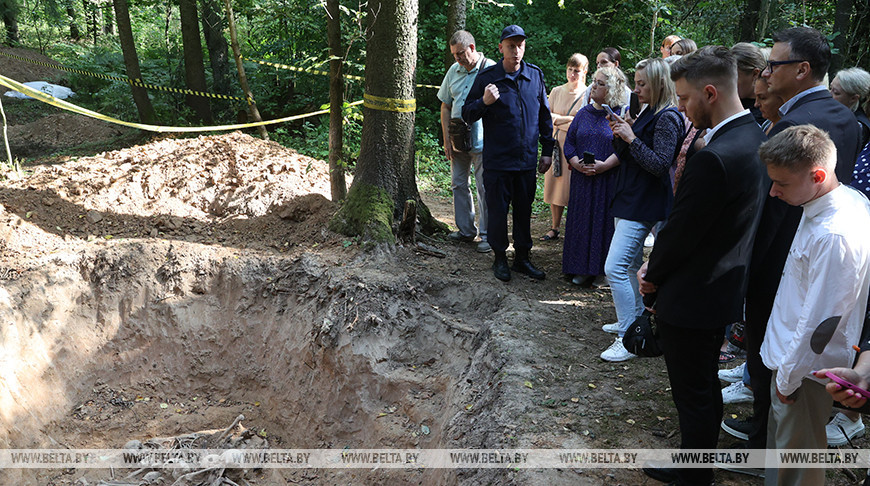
(698, 266)
(819, 308)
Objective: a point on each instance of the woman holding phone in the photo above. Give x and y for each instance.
(642, 199)
(589, 221)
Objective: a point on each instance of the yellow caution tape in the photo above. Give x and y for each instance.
(323, 73)
(389, 104)
(51, 100)
(132, 82)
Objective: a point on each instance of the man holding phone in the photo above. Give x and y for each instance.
(819, 307)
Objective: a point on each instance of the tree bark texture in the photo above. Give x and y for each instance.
(243, 79)
(456, 13)
(10, 21)
(337, 182)
(74, 33)
(842, 24)
(384, 178)
(131, 62)
(749, 20)
(213, 23)
(194, 72)
(108, 21)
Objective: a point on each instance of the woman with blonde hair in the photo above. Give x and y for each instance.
(642, 198)
(565, 101)
(589, 222)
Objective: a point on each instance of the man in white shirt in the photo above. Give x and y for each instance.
(819, 307)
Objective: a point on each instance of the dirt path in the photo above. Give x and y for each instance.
(165, 289)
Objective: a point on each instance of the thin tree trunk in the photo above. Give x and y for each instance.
(74, 33)
(749, 20)
(108, 21)
(456, 10)
(194, 73)
(652, 30)
(338, 185)
(218, 49)
(842, 16)
(131, 62)
(764, 19)
(243, 79)
(10, 21)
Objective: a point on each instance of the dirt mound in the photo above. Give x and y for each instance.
(57, 132)
(23, 71)
(206, 178)
(231, 189)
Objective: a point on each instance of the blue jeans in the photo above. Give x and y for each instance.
(623, 261)
(463, 205)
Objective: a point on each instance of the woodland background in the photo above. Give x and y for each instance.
(84, 34)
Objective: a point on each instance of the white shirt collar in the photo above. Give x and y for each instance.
(712, 131)
(786, 107)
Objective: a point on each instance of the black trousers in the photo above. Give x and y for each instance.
(757, 314)
(692, 359)
(505, 189)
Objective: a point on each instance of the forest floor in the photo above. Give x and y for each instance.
(164, 288)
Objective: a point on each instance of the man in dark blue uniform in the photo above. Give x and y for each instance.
(511, 98)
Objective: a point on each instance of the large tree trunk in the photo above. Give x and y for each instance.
(131, 62)
(455, 21)
(337, 183)
(194, 72)
(10, 21)
(384, 177)
(842, 16)
(218, 49)
(74, 33)
(749, 20)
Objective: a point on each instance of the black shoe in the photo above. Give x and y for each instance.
(663, 474)
(524, 266)
(500, 269)
(738, 428)
(583, 280)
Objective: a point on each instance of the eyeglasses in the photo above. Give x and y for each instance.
(773, 64)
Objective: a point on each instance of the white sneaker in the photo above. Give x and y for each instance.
(612, 328)
(736, 393)
(836, 436)
(649, 241)
(617, 352)
(732, 375)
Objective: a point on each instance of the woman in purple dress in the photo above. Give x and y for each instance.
(589, 224)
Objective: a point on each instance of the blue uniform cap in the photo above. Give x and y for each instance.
(512, 31)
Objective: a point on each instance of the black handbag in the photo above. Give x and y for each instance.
(642, 337)
(460, 134)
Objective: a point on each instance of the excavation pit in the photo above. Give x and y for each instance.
(138, 340)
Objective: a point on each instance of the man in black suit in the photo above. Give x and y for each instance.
(699, 264)
(796, 68)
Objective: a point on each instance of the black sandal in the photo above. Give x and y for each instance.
(547, 236)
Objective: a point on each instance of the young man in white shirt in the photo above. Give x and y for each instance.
(819, 307)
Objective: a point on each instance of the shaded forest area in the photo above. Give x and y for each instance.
(185, 43)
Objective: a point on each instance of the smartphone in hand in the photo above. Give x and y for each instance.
(588, 158)
(846, 384)
(609, 110)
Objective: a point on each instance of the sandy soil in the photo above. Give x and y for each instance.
(164, 289)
